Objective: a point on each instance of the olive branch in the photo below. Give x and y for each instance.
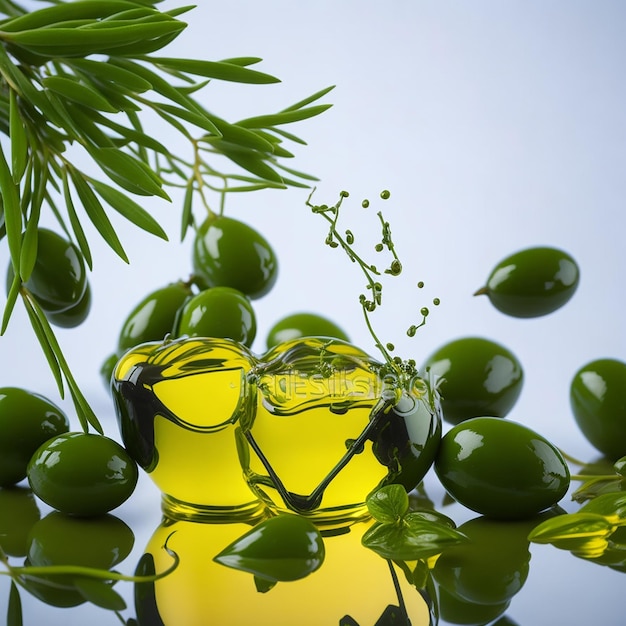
(401, 370)
(78, 83)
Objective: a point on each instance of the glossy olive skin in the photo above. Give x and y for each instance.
(219, 312)
(18, 513)
(58, 539)
(500, 468)
(532, 282)
(154, 316)
(74, 315)
(300, 325)
(59, 277)
(82, 474)
(106, 370)
(479, 378)
(27, 420)
(229, 253)
(598, 402)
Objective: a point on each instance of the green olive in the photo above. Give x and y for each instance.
(154, 317)
(300, 325)
(500, 468)
(18, 513)
(59, 279)
(229, 253)
(27, 420)
(82, 474)
(478, 378)
(58, 539)
(106, 370)
(219, 312)
(74, 315)
(532, 282)
(598, 402)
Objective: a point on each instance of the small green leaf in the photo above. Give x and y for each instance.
(117, 76)
(312, 98)
(14, 610)
(251, 163)
(14, 292)
(19, 142)
(187, 214)
(10, 196)
(584, 534)
(620, 466)
(100, 593)
(215, 69)
(282, 548)
(77, 228)
(129, 209)
(35, 317)
(128, 172)
(76, 91)
(611, 505)
(388, 504)
(284, 117)
(96, 213)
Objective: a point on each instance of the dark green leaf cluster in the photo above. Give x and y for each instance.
(400, 534)
(82, 75)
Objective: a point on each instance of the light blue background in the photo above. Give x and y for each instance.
(496, 125)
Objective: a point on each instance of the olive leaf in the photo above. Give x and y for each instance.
(388, 504)
(411, 539)
(14, 608)
(99, 593)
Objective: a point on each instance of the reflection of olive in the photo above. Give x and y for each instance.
(477, 377)
(18, 513)
(100, 542)
(492, 566)
(60, 539)
(458, 611)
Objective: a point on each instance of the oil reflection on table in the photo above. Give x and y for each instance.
(499, 579)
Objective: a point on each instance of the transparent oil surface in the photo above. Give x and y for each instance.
(309, 449)
(179, 405)
(352, 581)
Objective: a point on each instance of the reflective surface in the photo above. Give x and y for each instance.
(527, 584)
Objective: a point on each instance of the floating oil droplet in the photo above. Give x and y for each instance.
(385, 194)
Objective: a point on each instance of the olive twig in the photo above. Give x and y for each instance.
(57, 362)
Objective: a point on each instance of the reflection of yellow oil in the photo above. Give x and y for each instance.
(353, 581)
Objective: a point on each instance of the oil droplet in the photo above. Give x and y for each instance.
(365, 203)
(424, 311)
(420, 285)
(385, 194)
(436, 301)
